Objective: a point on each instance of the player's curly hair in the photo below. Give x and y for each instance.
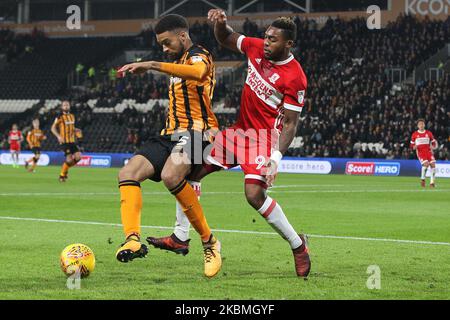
(171, 22)
(420, 120)
(288, 26)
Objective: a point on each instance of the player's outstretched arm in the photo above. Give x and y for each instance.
(136, 68)
(55, 131)
(29, 139)
(195, 71)
(287, 135)
(291, 119)
(225, 35)
(412, 144)
(434, 144)
(184, 71)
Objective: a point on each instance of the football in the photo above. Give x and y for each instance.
(77, 258)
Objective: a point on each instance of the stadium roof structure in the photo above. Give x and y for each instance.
(27, 11)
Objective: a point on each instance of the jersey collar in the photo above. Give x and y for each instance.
(279, 63)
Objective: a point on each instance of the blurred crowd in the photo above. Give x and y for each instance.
(388, 122)
(110, 92)
(12, 45)
(351, 100)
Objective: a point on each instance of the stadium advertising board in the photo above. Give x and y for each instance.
(427, 7)
(305, 166)
(442, 170)
(373, 168)
(6, 159)
(95, 161)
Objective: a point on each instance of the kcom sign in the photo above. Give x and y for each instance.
(427, 7)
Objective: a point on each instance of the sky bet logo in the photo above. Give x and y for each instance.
(373, 168)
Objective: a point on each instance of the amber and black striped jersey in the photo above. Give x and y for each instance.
(34, 138)
(66, 126)
(190, 101)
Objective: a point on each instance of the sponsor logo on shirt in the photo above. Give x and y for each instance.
(420, 141)
(273, 78)
(262, 88)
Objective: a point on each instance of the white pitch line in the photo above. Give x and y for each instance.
(231, 231)
(31, 194)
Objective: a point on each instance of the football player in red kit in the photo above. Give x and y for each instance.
(15, 138)
(423, 142)
(272, 100)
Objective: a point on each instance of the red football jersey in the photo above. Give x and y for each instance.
(422, 141)
(270, 88)
(14, 137)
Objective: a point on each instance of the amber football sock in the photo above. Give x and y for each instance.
(130, 206)
(188, 200)
(64, 169)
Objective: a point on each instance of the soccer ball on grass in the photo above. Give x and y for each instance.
(77, 258)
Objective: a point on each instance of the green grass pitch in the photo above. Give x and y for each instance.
(39, 215)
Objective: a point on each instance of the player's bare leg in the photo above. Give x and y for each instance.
(63, 176)
(35, 162)
(425, 165)
(130, 176)
(433, 174)
(273, 213)
(176, 168)
(71, 160)
(27, 163)
(15, 159)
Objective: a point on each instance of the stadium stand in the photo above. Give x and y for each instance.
(354, 107)
(42, 73)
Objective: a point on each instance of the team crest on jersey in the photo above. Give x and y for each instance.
(301, 96)
(196, 59)
(175, 80)
(258, 60)
(273, 78)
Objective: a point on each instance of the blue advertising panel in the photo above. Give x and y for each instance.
(350, 166)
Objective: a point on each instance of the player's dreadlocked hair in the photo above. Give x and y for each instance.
(171, 22)
(288, 26)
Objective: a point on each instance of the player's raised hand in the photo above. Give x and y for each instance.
(272, 171)
(217, 15)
